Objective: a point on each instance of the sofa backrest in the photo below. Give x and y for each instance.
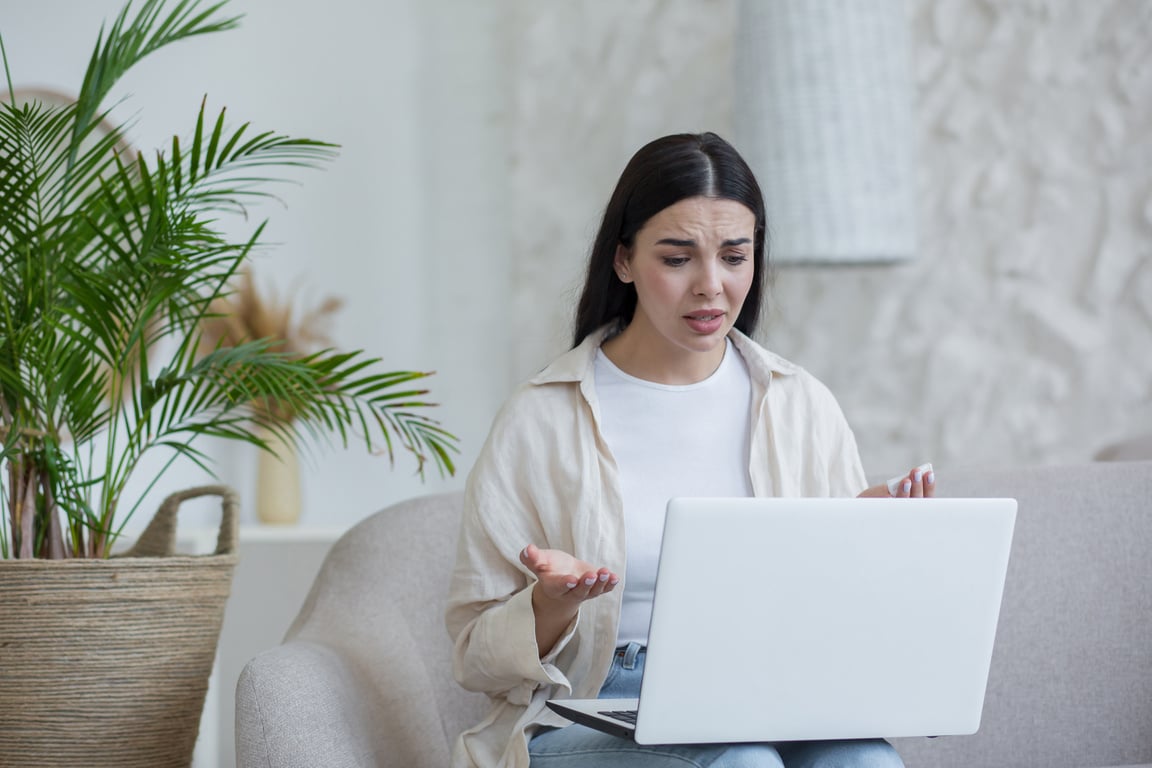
(1071, 675)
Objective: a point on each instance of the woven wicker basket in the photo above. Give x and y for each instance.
(106, 662)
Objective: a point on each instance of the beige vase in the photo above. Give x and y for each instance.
(278, 483)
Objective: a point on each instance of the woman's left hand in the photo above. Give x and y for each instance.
(915, 485)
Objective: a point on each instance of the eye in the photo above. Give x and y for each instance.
(675, 261)
(735, 258)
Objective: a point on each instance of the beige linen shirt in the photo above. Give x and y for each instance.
(545, 476)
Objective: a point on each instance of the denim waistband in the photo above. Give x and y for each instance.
(629, 653)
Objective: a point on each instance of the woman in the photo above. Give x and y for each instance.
(663, 394)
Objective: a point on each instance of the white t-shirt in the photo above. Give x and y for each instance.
(669, 441)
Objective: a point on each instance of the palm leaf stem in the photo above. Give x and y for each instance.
(27, 513)
(55, 542)
(7, 72)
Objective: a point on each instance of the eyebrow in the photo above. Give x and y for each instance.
(692, 243)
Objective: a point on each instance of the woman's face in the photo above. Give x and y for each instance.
(692, 265)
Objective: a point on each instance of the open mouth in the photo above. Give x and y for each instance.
(706, 322)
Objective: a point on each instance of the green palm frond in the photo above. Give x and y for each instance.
(129, 41)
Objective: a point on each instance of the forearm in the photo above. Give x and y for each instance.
(495, 649)
(553, 617)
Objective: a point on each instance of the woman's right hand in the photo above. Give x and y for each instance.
(562, 577)
(562, 583)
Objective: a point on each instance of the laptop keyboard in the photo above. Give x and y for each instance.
(624, 715)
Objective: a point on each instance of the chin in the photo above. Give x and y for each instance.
(706, 343)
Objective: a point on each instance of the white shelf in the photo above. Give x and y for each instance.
(273, 533)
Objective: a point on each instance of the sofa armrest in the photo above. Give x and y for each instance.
(299, 705)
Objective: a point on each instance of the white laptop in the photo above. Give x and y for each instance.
(797, 619)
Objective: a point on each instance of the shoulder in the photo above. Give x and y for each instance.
(761, 362)
(785, 380)
(772, 369)
(575, 365)
(533, 448)
(533, 406)
(552, 396)
(546, 405)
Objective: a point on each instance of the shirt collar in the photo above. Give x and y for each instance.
(575, 364)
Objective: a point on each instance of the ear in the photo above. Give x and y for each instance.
(620, 264)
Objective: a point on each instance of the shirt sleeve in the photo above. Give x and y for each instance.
(490, 616)
(838, 463)
(846, 476)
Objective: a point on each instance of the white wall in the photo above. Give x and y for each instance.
(480, 141)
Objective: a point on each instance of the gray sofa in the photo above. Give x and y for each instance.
(363, 677)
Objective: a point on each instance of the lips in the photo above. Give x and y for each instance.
(705, 321)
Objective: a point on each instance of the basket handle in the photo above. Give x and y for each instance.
(159, 537)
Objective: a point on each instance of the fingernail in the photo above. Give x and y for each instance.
(589, 581)
(615, 581)
(603, 577)
(916, 476)
(906, 485)
(571, 585)
(930, 478)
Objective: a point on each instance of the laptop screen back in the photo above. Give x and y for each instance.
(781, 619)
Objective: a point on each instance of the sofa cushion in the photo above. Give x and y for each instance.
(1071, 675)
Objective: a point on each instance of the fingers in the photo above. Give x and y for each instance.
(579, 587)
(916, 490)
(904, 488)
(590, 584)
(530, 556)
(558, 584)
(919, 483)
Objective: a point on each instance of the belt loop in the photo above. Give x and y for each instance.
(630, 653)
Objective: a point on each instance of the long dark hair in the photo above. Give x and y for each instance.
(662, 173)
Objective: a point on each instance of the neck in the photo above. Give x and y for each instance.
(658, 361)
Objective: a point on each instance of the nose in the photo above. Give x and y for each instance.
(707, 282)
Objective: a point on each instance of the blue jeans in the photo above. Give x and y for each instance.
(577, 745)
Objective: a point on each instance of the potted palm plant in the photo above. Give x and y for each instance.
(110, 263)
